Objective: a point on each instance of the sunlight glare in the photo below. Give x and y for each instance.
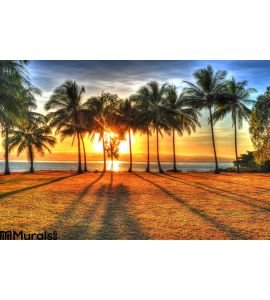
(123, 147)
(97, 144)
(116, 165)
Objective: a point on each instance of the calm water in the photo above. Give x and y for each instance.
(118, 166)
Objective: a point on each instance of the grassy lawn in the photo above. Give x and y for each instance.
(137, 206)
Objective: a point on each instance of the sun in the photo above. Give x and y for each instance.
(123, 147)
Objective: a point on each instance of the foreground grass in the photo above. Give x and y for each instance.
(137, 206)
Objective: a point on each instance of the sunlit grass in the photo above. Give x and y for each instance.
(137, 206)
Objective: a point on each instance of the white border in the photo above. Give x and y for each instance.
(142, 29)
(123, 29)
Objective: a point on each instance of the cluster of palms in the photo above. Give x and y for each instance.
(22, 128)
(154, 109)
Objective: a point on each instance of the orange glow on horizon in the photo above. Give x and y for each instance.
(197, 146)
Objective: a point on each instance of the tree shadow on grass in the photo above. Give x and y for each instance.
(220, 192)
(115, 223)
(6, 194)
(118, 222)
(267, 175)
(79, 230)
(232, 233)
(227, 181)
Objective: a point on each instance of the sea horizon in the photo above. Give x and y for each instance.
(23, 166)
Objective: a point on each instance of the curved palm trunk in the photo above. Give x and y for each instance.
(104, 155)
(213, 140)
(7, 171)
(148, 152)
(31, 159)
(235, 145)
(159, 165)
(84, 155)
(130, 152)
(79, 154)
(174, 156)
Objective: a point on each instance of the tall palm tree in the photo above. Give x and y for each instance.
(33, 138)
(127, 121)
(209, 89)
(235, 103)
(25, 97)
(66, 101)
(180, 118)
(84, 153)
(13, 78)
(157, 111)
(143, 117)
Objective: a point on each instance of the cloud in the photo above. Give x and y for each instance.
(126, 75)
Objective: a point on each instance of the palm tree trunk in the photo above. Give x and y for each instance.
(130, 152)
(148, 152)
(235, 145)
(7, 171)
(159, 165)
(84, 155)
(31, 159)
(79, 153)
(174, 157)
(104, 155)
(213, 140)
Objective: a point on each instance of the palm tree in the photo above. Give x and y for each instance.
(143, 117)
(84, 153)
(102, 112)
(13, 78)
(157, 111)
(127, 122)
(235, 103)
(67, 100)
(33, 138)
(209, 89)
(180, 118)
(26, 100)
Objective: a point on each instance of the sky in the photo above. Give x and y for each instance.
(125, 77)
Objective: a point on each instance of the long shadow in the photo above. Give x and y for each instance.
(234, 234)
(222, 190)
(228, 181)
(64, 217)
(3, 195)
(117, 222)
(218, 191)
(257, 175)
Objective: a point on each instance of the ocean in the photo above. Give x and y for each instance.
(21, 166)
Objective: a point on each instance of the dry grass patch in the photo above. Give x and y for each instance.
(137, 206)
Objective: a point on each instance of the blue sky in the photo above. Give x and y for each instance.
(124, 77)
